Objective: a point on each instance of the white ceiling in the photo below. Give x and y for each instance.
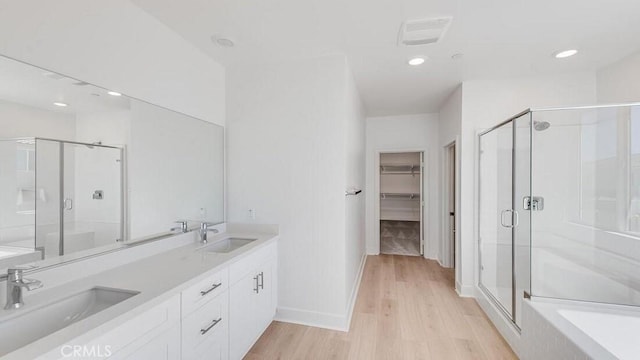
(499, 38)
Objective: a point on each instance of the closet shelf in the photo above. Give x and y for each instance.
(400, 196)
(400, 169)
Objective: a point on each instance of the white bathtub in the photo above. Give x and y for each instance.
(560, 329)
(617, 333)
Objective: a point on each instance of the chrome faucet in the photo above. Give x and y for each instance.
(204, 230)
(15, 284)
(183, 226)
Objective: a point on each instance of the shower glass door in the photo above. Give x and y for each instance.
(504, 217)
(496, 215)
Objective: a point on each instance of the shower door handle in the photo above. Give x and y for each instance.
(514, 219)
(67, 204)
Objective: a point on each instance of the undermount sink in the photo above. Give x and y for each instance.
(228, 245)
(31, 325)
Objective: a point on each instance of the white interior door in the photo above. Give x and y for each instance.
(422, 203)
(450, 187)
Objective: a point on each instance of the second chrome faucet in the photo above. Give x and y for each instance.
(205, 228)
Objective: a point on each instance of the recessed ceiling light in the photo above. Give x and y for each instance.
(565, 53)
(223, 41)
(61, 104)
(114, 93)
(416, 61)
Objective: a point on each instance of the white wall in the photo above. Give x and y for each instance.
(355, 178)
(450, 117)
(116, 45)
(449, 125)
(404, 132)
(620, 82)
(292, 134)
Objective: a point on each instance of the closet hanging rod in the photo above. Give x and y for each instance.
(400, 196)
(400, 169)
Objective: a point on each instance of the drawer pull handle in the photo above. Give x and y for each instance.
(261, 283)
(257, 288)
(205, 292)
(206, 330)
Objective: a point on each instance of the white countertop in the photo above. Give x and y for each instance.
(156, 277)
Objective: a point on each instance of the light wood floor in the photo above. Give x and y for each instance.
(406, 309)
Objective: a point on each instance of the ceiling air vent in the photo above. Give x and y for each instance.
(423, 32)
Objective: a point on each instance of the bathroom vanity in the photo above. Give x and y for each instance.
(175, 298)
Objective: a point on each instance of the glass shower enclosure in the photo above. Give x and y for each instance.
(559, 207)
(60, 197)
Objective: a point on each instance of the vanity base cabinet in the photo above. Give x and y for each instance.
(217, 318)
(252, 300)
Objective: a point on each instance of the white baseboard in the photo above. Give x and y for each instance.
(312, 318)
(465, 290)
(431, 257)
(354, 292)
(331, 321)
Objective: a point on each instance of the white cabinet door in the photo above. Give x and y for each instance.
(166, 346)
(243, 326)
(265, 306)
(252, 307)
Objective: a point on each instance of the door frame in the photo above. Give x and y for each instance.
(449, 244)
(425, 195)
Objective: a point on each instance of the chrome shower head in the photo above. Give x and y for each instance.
(541, 125)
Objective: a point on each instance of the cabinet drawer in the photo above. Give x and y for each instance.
(247, 265)
(216, 348)
(207, 324)
(205, 290)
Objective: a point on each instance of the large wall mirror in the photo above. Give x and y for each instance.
(84, 170)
